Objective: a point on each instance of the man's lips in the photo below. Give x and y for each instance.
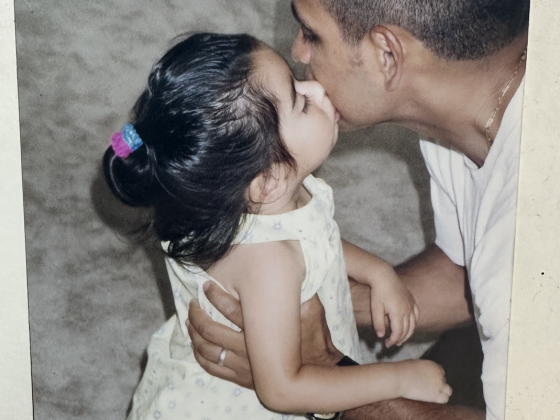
(310, 77)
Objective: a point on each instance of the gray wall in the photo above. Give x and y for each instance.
(95, 299)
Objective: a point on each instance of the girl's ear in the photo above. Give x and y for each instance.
(269, 186)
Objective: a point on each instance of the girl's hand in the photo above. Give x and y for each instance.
(392, 300)
(423, 380)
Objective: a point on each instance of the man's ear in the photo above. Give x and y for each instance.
(269, 186)
(389, 54)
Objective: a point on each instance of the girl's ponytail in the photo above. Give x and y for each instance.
(131, 178)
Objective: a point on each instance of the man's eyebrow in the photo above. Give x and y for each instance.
(295, 13)
(298, 18)
(309, 33)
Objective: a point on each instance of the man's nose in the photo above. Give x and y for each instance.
(300, 49)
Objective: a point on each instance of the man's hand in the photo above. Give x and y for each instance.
(210, 337)
(316, 345)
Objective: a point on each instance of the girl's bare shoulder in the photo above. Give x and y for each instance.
(279, 259)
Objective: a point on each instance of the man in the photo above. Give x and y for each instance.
(453, 71)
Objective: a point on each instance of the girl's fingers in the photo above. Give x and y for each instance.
(411, 328)
(405, 331)
(378, 318)
(416, 312)
(411, 325)
(396, 332)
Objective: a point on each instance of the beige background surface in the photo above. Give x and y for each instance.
(530, 322)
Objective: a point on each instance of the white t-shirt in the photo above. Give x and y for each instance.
(474, 211)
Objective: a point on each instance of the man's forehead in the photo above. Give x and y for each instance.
(305, 10)
(313, 16)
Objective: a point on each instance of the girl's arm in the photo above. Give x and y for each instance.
(269, 288)
(363, 266)
(389, 296)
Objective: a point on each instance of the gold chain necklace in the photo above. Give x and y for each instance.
(490, 140)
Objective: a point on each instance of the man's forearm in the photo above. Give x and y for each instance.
(440, 288)
(401, 409)
(438, 285)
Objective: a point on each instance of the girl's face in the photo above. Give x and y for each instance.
(308, 120)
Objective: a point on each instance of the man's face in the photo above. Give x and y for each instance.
(349, 82)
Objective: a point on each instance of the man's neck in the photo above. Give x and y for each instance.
(452, 101)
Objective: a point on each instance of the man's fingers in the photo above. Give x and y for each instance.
(316, 345)
(206, 349)
(223, 372)
(218, 335)
(225, 303)
(235, 368)
(211, 354)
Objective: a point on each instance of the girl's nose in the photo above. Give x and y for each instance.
(311, 88)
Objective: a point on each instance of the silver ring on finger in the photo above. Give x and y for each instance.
(222, 357)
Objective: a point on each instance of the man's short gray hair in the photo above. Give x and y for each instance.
(452, 29)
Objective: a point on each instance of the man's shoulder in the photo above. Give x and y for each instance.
(433, 151)
(441, 161)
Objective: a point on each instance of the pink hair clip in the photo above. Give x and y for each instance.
(126, 142)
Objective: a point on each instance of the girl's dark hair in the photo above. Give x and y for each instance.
(208, 130)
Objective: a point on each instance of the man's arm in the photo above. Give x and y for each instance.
(441, 291)
(401, 409)
(438, 285)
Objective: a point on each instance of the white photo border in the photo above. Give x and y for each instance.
(533, 368)
(535, 324)
(15, 356)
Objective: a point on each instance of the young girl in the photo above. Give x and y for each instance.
(222, 147)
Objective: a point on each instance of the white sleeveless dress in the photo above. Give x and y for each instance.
(175, 387)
